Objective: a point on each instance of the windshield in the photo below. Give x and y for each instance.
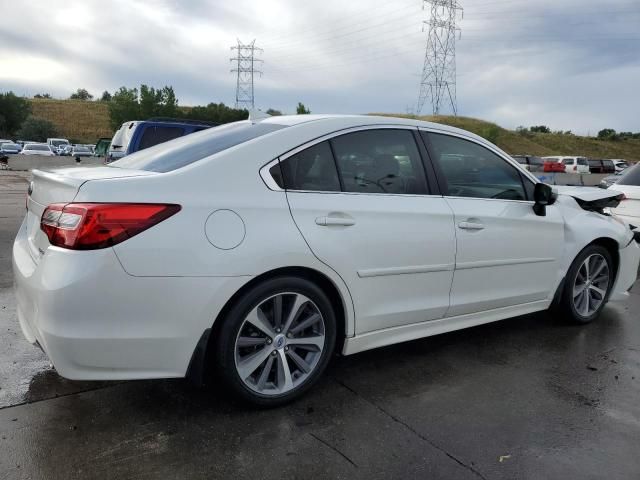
(80, 149)
(37, 147)
(186, 150)
(631, 176)
(57, 143)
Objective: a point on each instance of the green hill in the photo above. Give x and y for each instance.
(540, 143)
(85, 122)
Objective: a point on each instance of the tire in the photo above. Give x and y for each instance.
(593, 290)
(285, 324)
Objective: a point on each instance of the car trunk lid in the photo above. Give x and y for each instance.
(61, 186)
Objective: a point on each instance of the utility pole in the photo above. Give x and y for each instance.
(245, 68)
(438, 83)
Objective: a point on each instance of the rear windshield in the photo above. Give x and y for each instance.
(631, 176)
(535, 161)
(186, 150)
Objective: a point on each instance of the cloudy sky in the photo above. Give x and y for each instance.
(569, 64)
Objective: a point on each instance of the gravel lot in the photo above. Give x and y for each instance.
(525, 398)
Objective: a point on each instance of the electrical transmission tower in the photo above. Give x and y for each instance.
(245, 68)
(438, 83)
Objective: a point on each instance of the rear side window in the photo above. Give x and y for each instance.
(631, 176)
(186, 150)
(311, 169)
(471, 170)
(153, 135)
(380, 161)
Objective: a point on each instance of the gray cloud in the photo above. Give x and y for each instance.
(570, 64)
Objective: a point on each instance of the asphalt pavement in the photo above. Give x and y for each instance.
(526, 398)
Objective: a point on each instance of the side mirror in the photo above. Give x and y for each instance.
(543, 196)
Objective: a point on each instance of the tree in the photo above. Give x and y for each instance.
(124, 106)
(157, 103)
(13, 112)
(81, 94)
(301, 109)
(106, 96)
(216, 112)
(273, 113)
(42, 95)
(540, 129)
(37, 129)
(607, 134)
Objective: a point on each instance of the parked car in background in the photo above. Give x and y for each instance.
(63, 150)
(260, 248)
(601, 166)
(54, 143)
(606, 182)
(551, 165)
(529, 162)
(620, 164)
(572, 164)
(629, 184)
(37, 149)
(102, 147)
(79, 151)
(10, 148)
(138, 135)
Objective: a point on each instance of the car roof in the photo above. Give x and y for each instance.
(361, 120)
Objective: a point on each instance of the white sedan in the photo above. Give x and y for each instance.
(37, 149)
(629, 184)
(259, 248)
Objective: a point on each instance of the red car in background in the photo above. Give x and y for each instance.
(553, 166)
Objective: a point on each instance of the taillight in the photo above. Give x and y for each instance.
(89, 226)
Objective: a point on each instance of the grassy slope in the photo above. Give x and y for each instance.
(83, 122)
(543, 143)
(87, 121)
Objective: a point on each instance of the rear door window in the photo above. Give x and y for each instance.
(153, 135)
(380, 161)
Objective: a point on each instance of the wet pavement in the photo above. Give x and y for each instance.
(525, 398)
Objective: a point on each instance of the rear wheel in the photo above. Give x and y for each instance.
(276, 341)
(587, 285)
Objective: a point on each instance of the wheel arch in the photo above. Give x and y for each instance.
(611, 245)
(198, 370)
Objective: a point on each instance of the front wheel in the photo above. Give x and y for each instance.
(587, 285)
(276, 341)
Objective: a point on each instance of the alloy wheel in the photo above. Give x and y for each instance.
(279, 344)
(591, 285)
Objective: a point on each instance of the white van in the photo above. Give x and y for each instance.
(572, 164)
(54, 143)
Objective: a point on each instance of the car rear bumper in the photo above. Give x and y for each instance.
(96, 322)
(627, 271)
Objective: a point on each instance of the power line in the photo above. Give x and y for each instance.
(245, 68)
(438, 83)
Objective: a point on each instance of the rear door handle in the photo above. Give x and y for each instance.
(335, 221)
(470, 226)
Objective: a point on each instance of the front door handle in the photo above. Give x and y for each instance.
(335, 221)
(470, 226)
